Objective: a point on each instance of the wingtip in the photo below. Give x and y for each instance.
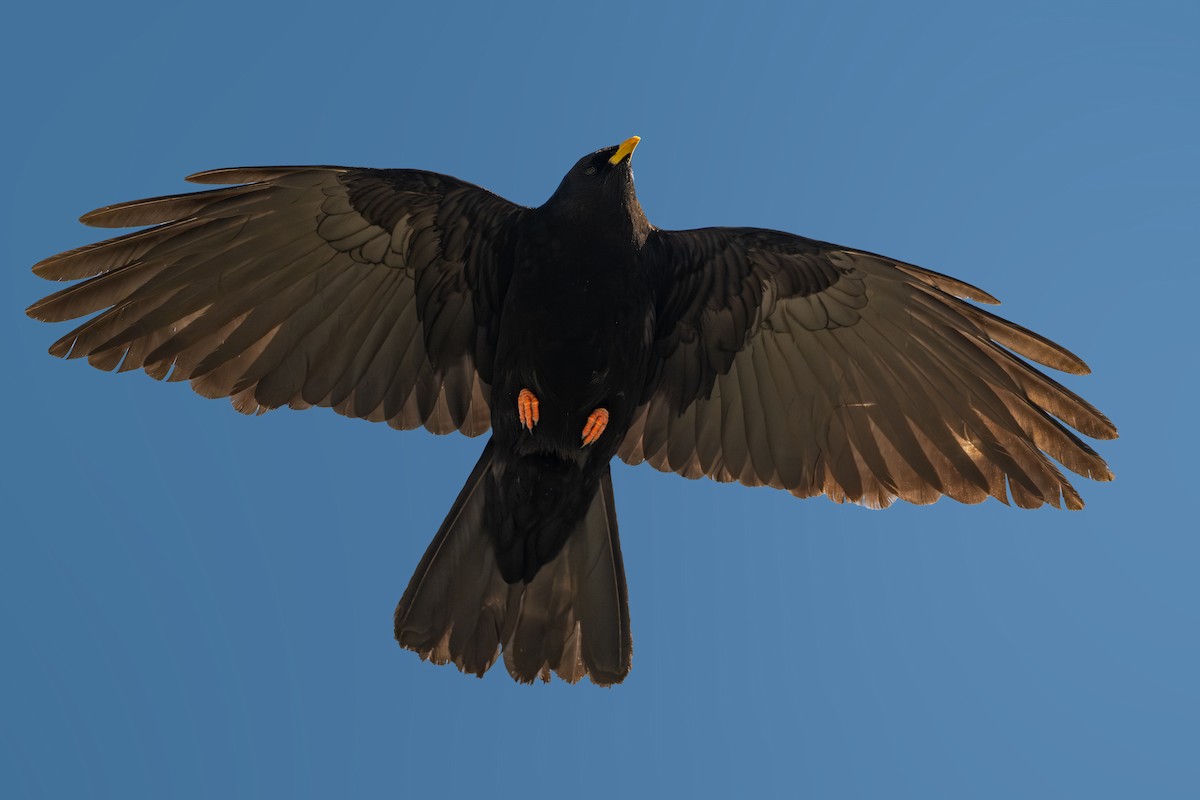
(44, 269)
(93, 218)
(1109, 431)
(32, 311)
(1066, 362)
(232, 176)
(210, 176)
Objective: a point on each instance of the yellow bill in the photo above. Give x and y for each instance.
(625, 150)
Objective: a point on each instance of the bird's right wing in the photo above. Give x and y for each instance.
(375, 292)
(821, 369)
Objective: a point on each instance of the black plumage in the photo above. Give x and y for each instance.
(575, 331)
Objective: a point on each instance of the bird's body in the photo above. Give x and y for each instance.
(594, 355)
(577, 330)
(574, 331)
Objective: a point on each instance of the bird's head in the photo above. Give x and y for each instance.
(599, 189)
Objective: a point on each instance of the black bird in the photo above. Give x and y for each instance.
(576, 331)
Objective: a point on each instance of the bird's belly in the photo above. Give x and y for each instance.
(578, 347)
(577, 361)
(573, 356)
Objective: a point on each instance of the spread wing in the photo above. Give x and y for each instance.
(374, 292)
(824, 370)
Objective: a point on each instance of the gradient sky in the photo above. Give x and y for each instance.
(194, 603)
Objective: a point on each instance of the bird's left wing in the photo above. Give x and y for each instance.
(825, 370)
(375, 292)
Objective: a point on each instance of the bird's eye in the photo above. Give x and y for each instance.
(590, 171)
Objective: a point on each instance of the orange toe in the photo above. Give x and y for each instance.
(597, 421)
(527, 409)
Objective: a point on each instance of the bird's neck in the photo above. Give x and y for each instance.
(622, 227)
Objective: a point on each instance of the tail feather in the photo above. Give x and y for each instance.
(572, 619)
(602, 597)
(454, 603)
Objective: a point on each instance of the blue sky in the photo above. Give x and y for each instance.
(195, 603)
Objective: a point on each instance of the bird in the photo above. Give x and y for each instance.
(575, 332)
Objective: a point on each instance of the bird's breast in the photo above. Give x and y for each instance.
(576, 333)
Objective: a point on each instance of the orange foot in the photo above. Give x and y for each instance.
(596, 422)
(527, 409)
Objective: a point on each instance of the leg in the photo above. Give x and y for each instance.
(596, 422)
(527, 409)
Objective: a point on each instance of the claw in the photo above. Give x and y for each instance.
(527, 409)
(596, 422)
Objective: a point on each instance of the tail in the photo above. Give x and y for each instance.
(571, 619)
